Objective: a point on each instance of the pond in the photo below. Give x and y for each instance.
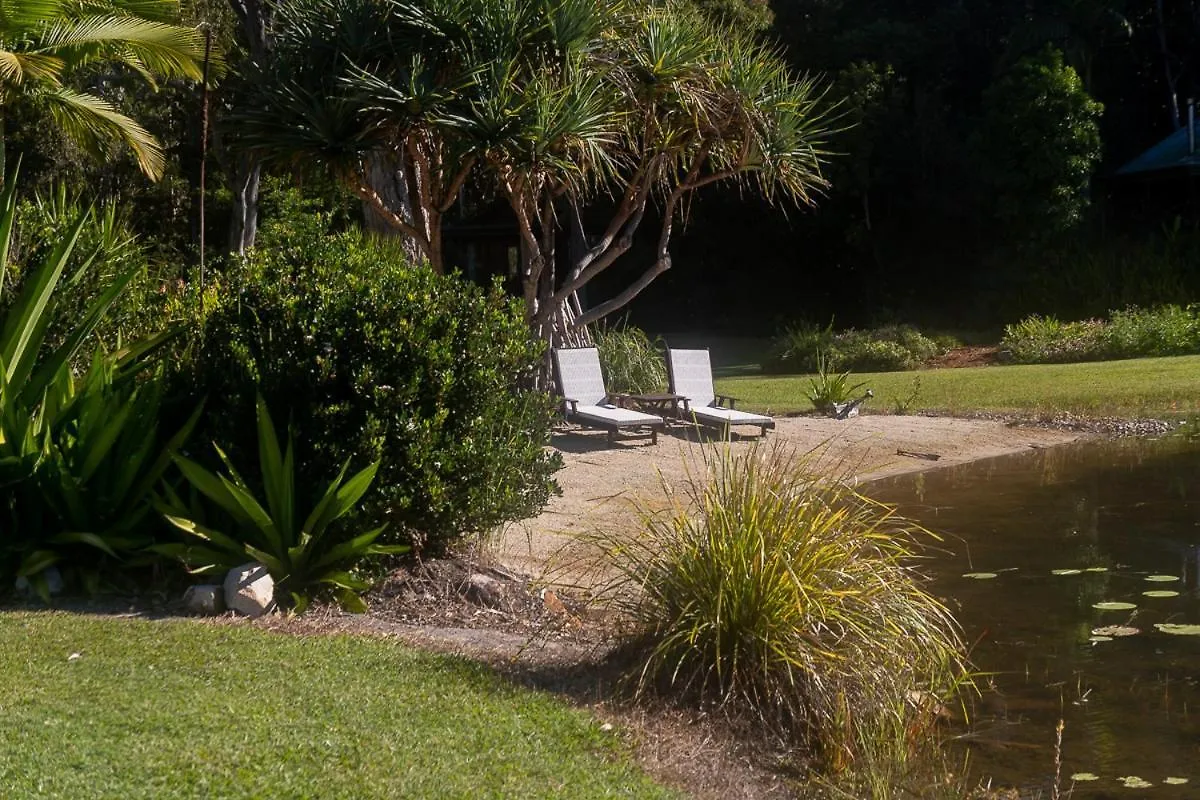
(1073, 572)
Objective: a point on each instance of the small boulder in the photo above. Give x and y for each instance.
(206, 599)
(484, 590)
(249, 590)
(54, 583)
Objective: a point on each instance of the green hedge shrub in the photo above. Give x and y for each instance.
(889, 348)
(1132, 333)
(371, 357)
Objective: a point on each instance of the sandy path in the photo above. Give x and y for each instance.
(600, 481)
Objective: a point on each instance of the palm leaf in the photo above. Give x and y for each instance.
(93, 123)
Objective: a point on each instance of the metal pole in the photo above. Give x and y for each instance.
(204, 143)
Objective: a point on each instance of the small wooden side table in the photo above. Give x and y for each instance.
(661, 403)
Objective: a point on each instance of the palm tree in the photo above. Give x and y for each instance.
(44, 42)
(553, 105)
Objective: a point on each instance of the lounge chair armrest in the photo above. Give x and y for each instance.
(619, 400)
(569, 406)
(685, 404)
(723, 399)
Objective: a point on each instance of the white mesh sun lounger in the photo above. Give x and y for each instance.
(690, 374)
(586, 401)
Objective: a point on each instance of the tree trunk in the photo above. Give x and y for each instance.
(1172, 78)
(387, 179)
(255, 19)
(243, 222)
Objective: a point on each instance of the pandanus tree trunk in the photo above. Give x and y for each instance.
(388, 181)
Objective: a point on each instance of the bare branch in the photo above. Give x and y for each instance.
(604, 309)
(456, 185)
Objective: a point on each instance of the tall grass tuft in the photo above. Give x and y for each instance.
(790, 599)
(631, 361)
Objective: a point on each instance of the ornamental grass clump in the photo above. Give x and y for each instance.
(792, 600)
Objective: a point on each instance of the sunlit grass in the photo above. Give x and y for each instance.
(185, 709)
(1149, 387)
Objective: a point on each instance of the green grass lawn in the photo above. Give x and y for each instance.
(185, 709)
(1151, 387)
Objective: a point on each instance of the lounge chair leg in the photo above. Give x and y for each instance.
(612, 436)
(654, 436)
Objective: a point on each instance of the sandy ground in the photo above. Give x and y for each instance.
(603, 483)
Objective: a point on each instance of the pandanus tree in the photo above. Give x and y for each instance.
(43, 43)
(554, 105)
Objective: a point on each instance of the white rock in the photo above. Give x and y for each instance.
(54, 582)
(206, 598)
(249, 590)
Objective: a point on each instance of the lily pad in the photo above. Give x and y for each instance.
(1178, 630)
(1160, 593)
(1096, 639)
(1115, 630)
(1096, 569)
(1134, 782)
(1175, 781)
(980, 576)
(1162, 578)
(1113, 606)
(1065, 571)
(1085, 776)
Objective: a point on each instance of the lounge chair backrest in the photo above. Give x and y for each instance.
(579, 375)
(691, 375)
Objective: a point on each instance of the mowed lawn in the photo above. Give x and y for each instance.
(1148, 387)
(183, 709)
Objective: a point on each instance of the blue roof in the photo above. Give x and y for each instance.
(1170, 153)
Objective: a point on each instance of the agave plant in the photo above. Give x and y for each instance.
(78, 456)
(830, 388)
(303, 552)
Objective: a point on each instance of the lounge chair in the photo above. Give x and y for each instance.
(588, 403)
(690, 374)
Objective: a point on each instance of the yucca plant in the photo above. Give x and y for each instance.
(77, 455)
(830, 387)
(787, 597)
(303, 550)
(99, 459)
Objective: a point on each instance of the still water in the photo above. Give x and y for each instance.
(1115, 520)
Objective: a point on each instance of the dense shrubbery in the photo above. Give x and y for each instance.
(1132, 333)
(788, 597)
(630, 360)
(800, 349)
(369, 357)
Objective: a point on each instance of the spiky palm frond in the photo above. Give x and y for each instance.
(41, 41)
(94, 123)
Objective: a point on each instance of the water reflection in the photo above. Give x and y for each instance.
(1117, 513)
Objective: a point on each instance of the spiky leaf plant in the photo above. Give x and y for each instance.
(788, 597)
(303, 549)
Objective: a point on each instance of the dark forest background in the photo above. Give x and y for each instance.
(974, 177)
